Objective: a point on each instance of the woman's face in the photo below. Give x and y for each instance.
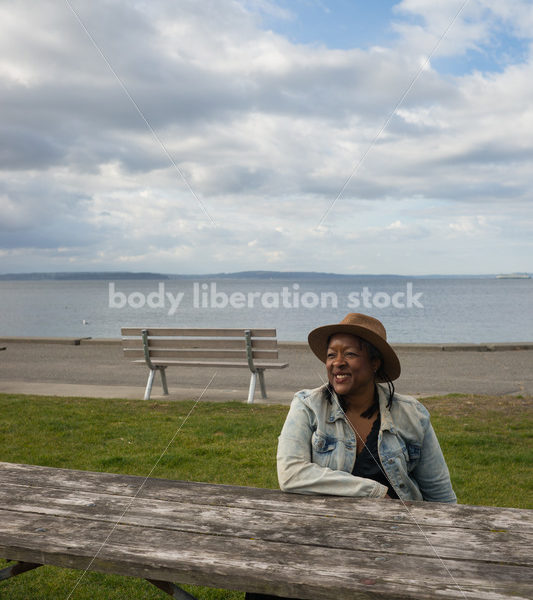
(350, 370)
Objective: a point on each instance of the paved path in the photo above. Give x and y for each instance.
(98, 369)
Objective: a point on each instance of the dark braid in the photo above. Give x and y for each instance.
(381, 374)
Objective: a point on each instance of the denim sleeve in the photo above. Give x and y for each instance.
(299, 474)
(431, 472)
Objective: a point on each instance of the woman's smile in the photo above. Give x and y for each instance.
(340, 378)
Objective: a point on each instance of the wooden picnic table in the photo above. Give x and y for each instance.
(262, 540)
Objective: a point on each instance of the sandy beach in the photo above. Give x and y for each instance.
(97, 368)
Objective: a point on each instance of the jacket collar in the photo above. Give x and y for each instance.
(335, 411)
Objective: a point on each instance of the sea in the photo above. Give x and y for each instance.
(413, 310)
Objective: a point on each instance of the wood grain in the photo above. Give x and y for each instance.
(264, 540)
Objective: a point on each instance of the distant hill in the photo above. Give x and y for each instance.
(80, 276)
(301, 275)
(276, 275)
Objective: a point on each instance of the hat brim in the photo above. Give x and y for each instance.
(318, 342)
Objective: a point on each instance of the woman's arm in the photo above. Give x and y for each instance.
(298, 473)
(431, 472)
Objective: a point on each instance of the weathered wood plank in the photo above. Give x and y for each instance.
(483, 518)
(197, 363)
(231, 344)
(349, 533)
(199, 332)
(191, 354)
(261, 540)
(214, 363)
(276, 567)
(199, 353)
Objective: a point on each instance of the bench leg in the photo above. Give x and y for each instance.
(17, 569)
(171, 589)
(164, 380)
(261, 373)
(149, 384)
(251, 390)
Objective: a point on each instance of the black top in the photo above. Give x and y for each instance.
(367, 463)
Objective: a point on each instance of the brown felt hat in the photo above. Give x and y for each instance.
(363, 326)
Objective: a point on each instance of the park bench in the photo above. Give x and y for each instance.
(259, 540)
(159, 348)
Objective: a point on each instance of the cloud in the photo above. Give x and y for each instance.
(265, 131)
(472, 225)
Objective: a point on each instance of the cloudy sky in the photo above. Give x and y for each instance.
(188, 136)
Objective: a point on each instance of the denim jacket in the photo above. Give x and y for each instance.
(317, 450)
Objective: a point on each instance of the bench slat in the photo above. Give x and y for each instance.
(160, 331)
(483, 518)
(214, 363)
(200, 353)
(264, 344)
(253, 564)
(196, 515)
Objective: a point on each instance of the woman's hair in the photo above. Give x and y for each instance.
(381, 375)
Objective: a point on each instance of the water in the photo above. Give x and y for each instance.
(446, 310)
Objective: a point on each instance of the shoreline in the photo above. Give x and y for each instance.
(446, 347)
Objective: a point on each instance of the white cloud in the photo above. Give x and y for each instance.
(396, 225)
(266, 133)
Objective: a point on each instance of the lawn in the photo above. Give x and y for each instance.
(486, 441)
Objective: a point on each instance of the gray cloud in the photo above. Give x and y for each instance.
(266, 133)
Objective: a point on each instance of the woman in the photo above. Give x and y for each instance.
(355, 436)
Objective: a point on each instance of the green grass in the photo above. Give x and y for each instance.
(488, 445)
(486, 441)
(124, 436)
